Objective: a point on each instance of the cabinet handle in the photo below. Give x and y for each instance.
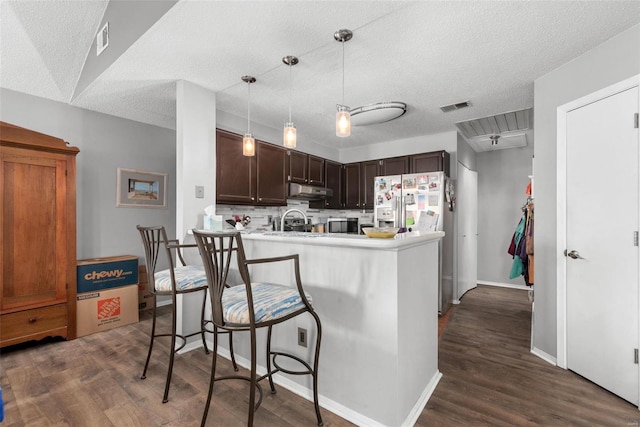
(33, 319)
(253, 198)
(260, 199)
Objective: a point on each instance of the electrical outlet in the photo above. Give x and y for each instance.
(199, 191)
(302, 337)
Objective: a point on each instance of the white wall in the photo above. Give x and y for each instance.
(195, 155)
(106, 143)
(502, 180)
(613, 61)
(420, 144)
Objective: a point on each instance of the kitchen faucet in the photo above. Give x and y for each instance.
(287, 213)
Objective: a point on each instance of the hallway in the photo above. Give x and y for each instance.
(491, 378)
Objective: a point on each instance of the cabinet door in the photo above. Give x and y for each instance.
(395, 166)
(235, 174)
(316, 170)
(352, 185)
(33, 243)
(297, 167)
(333, 179)
(271, 178)
(430, 162)
(368, 171)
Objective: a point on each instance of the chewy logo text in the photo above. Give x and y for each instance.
(108, 308)
(95, 275)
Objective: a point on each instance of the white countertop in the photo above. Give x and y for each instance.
(402, 240)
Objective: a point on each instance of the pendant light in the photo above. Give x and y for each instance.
(248, 142)
(343, 117)
(289, 136)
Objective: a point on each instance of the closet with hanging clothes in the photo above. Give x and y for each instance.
(521, 246)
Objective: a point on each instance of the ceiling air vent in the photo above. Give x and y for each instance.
(513, 121)
(456, 106)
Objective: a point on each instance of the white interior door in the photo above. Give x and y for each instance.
(467, 221)
(602, 215)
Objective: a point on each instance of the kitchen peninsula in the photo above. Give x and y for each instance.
(378, 302)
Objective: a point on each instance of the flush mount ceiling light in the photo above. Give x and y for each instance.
(289, 135)
(248, 142)
(377, 113)
(343, 118)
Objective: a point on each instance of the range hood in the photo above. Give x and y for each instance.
(308, 192)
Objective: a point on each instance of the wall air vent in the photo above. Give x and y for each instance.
(456, 106)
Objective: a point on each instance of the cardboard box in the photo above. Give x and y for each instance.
(107, 309)
(97, 274)
(145, 296)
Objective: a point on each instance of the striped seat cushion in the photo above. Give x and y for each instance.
(270, 302)
(187, 277)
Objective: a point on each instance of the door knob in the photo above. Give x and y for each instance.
(573, 254)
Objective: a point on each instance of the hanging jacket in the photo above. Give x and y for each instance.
(517, 267)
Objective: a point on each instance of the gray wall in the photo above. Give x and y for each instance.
(615, 60)
(502, 180)
(106, 143)
(465, 155)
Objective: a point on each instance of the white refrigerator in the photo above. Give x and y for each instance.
(418, 202)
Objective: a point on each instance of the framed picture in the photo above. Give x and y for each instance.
(139, 189)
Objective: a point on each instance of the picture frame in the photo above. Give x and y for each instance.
(141, 189)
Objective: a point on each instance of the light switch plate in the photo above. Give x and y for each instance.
(199, 191)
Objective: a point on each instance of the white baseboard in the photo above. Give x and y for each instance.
(422, 401)
(544, 356)
(504, 285)
(329, 404)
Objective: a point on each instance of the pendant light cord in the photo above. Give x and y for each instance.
(249, 107)
(343, 71)
(290, 84)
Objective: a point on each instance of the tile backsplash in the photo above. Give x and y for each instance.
(262, 215)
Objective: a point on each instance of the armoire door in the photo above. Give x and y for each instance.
(33, 222)
(602, 258)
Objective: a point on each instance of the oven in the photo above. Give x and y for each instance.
(342, 225)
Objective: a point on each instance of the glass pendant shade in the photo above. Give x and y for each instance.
(289, 136)
(248, 145)
(343, 121)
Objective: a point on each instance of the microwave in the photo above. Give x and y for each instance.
(342, 225)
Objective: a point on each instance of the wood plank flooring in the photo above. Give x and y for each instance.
(490, 378)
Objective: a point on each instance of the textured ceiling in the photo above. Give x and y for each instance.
(424, 53)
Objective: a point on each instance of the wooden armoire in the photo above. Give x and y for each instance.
(37, 236)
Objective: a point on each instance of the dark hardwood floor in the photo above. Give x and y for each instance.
(490, 378)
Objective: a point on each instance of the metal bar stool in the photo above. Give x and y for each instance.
(252, 306)
(173, 281)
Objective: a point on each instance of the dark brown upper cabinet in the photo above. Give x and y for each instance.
(316, 171)
(333, 178)
(256, 180)
(235, 173)
(352, 186)
(359, 181)
(305, 168)
(270, 176)
(368, 171)
(394, 166)
(430, 162)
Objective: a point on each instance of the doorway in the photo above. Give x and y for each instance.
(598, 295)
(467, 230)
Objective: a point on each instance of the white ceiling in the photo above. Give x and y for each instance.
(425, 53)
